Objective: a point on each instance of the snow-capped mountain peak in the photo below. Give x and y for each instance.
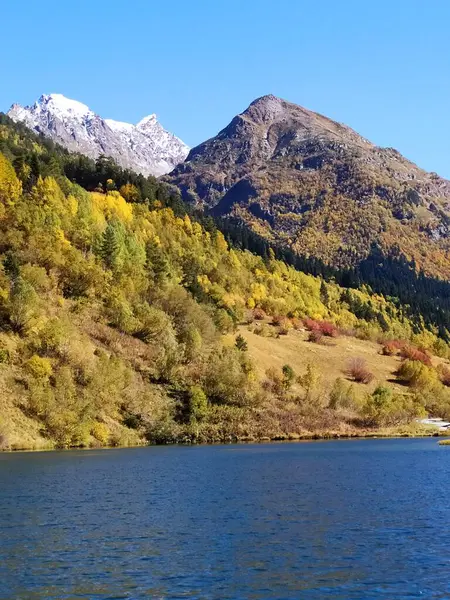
(64, 106)
(146, 147)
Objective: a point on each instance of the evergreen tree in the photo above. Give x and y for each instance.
(111, 245)
(157, 262)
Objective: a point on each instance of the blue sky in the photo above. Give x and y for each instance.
(380, 66)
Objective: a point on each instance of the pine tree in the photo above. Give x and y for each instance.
(110, 246)
(324, 296)
(157, 263)
(241, 343)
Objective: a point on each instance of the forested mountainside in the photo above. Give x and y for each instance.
(145, 147)
(328, 200)
(119, 317)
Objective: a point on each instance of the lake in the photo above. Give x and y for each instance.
(340, 519)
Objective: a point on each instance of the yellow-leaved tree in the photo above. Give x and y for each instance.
(10, 185)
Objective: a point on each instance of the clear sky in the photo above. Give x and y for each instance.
(380, 66)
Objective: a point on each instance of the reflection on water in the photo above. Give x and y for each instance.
(347, 519)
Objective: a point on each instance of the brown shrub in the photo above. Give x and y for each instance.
(283, 323)
(296, 323)
(259, 314)
(315, 336)
(357, 369)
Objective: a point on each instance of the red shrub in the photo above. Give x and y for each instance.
(311, 324)
(357, 369)
(328, 329)
(325, 327)
(413, 353)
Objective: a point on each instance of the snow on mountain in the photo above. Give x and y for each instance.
(146, 147)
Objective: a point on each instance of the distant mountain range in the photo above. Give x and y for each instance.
(146, 148)
(295, 178)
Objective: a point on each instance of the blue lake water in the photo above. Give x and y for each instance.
(343, 519)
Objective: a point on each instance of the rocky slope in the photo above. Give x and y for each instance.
(146, 148)
(308, 183)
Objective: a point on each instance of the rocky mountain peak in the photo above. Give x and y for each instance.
(150, 120)
(266, 109)
(312, 184)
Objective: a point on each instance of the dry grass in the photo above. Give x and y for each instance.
(331, 360)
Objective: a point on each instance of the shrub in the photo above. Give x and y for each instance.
(384, 407)
(224, 321)
(283, 324)
(344, 395)
(38, 367)
(357, 369)
(325, 327)
(412, 353)
(311, 383)
(311, 324)
(198, 404)
(262, 329)
(4, 355)
(284, 329)
(328, 329)
(315, 336)
(259, 314)
(444, 375)
(288, 376)
(416, 374)
(392, 347)
(296, 323)
(440, 348)
(274, 382)
(100, 431)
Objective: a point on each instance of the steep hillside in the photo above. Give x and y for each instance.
(146, 148)
(116, 317)
(315, 186)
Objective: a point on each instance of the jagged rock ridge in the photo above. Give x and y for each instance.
(146, 148)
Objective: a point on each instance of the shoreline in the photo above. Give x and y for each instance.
(313, 437)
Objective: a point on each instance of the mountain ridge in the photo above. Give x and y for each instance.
(145, 147)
